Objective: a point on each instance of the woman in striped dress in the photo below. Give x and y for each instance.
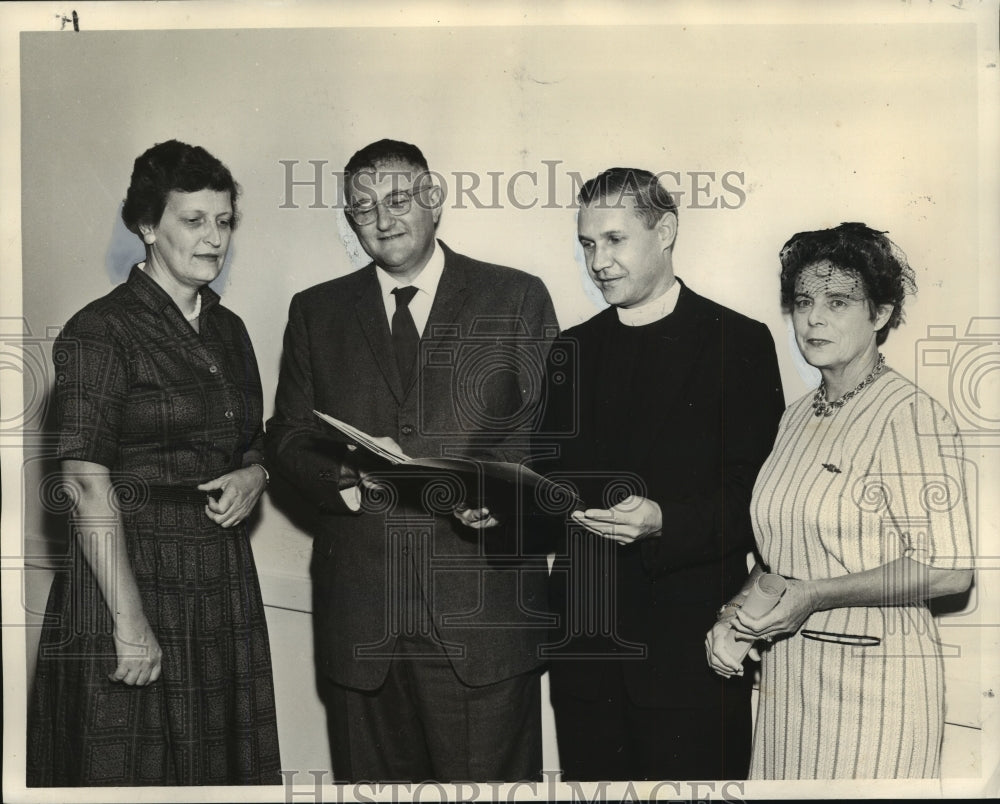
(862, 507)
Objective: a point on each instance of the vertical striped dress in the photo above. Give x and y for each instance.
(881, 479)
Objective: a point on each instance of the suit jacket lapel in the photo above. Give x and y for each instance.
(449, 298)
(443, 321)
(370, 310)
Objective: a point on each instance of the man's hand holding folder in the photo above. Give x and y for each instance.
(489, 487)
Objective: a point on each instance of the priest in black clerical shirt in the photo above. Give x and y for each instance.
(667, 414)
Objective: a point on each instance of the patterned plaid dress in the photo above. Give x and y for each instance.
(164, 408)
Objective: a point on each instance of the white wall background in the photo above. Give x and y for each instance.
(827, 121)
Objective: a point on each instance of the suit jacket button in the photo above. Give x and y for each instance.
(406, 429)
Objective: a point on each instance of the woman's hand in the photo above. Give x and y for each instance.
(240, 491)
(138, 652)
(633, 518)
(793, 609)
(717, 650)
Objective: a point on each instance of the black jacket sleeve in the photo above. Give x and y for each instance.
(295, 445)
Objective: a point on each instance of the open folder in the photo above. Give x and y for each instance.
(507, 489)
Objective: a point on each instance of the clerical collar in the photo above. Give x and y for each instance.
(647, 313)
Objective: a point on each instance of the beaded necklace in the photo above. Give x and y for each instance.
(197, 308)
(823, 408)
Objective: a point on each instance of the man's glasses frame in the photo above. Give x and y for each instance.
(396, 203)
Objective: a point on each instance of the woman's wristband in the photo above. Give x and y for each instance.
(728, 608)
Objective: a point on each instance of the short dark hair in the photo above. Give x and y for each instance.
(172, 165)
(855, 249)
(381, 152)
(651, 200)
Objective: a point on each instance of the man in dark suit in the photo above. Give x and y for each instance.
(676, 403)
(426, 628)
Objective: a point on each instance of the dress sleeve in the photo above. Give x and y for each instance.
(254, 393)
(928, 485)
(90, 391)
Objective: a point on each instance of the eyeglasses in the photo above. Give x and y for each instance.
(396, 203)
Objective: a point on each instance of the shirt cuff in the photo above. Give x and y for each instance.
(351, 497)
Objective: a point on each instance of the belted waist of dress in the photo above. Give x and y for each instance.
(180, 494)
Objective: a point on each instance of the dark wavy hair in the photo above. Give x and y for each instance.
(860, 251)
(382, 152)
(172, 165)
(651, 200)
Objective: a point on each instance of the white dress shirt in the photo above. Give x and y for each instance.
(426, 284)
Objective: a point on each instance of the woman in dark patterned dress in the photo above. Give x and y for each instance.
(154, 666)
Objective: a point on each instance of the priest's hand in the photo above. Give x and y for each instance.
(478, 518)
(632, 519)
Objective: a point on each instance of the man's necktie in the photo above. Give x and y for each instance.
(404, 334)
